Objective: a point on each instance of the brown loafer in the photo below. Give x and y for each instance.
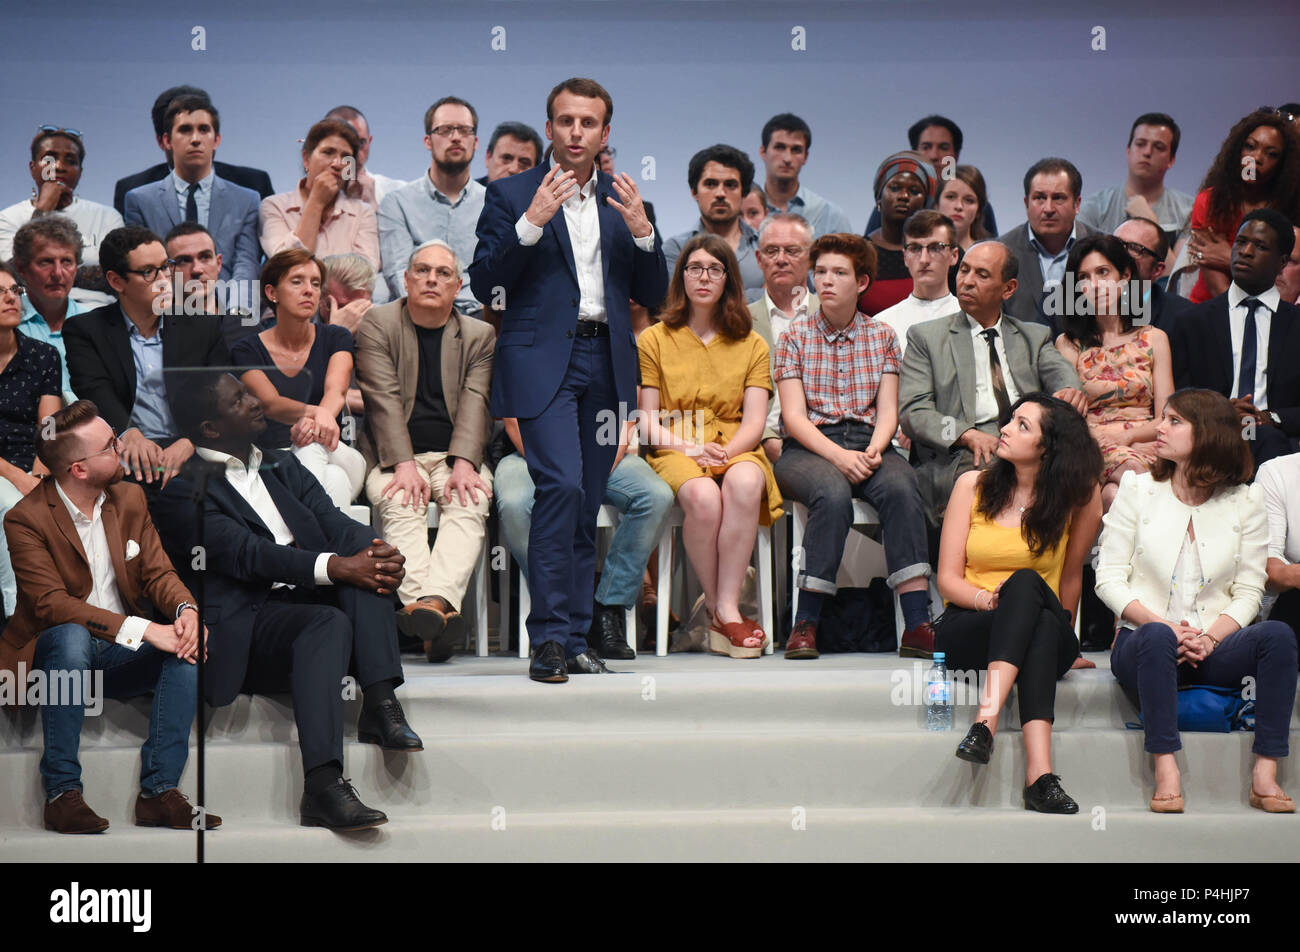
(803, 642)
(70, 814)
(170, 809)
(917, 642)
(1171, 803)
(1282, 804)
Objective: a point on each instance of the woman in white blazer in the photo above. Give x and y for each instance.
(1182, 563)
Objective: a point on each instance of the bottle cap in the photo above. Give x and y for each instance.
(938, 656)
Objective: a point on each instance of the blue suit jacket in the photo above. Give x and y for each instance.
(232, 219)
(540, 285)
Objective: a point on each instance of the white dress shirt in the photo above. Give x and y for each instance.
(780, 323)
(986, 404)
(103, 589)
(912, 310)
(1237, 325)
(247, 481)
(583, 221)
(1278, 479)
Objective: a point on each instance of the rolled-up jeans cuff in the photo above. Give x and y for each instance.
(907, 573)
(811, 584)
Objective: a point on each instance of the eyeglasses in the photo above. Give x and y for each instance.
(1137, 250)
(58, 129)
(446, 132)
(698, 271)
(17, 290)
(934, 248)
(151, 272)
(115, 446)
(790, 251)
(422, 271)
(1285, 114)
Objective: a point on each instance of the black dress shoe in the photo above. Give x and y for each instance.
(1046, 796)
(977, 745)
(547, 664)
(587, 663)
(338, 807)
(609, 633)
(385, 724)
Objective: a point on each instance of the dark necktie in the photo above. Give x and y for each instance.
(995, 372)
(1246, 379)
(192, 205)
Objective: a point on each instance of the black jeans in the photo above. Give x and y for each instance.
(1028, 629)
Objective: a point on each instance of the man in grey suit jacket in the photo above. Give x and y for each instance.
(194, 192)
(949, 396)
(1041, 244)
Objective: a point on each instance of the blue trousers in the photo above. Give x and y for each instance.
(569, 453)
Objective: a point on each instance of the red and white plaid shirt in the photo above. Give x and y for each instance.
(840, 369)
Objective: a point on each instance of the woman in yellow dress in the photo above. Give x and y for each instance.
(705, 386)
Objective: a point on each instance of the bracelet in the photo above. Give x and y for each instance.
(977, 599)
(1206, 634)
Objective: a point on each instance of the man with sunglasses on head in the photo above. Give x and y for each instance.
(1148, 246)
(118, 355)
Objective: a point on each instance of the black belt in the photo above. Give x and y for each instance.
(591, 329)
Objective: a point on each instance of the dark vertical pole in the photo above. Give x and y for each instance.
(201, 495)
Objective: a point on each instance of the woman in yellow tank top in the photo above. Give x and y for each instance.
(1010, 567)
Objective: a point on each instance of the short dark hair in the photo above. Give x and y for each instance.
(854, 247)
(61, 134)
(787, 122)
(119, 243)
(726, 155)
(325, 128)
(1162, 240)
(282, 262)
(1220, 458)
(915, 129)
(448, 101)
(516, 130)
(190, 104)
(346, 113)
(59, 229)
(1010, 263)
(923, 222)
(159, 111)
(201, 403)
(187, 228)
(578, 86)
(1158, 119)
(57, 451)
(1281, 226)
(1053, 165)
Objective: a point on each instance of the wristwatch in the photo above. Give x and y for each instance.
(1277, 420)
(184, 605)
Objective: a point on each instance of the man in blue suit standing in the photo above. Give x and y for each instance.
(193, 192)
(561, 250)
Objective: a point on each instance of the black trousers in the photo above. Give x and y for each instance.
(1028, 629)
(1287, 610)
(304, 640)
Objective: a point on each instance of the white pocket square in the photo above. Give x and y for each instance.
(132, 549)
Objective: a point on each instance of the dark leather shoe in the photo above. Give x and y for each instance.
(977, 745)
(171, 809)
(587, 663)
(70, 814)
(609, 633)
(803, 642)
(547, 664)
(917, 642)
(338, 807)
(385, 724)
(1046, 796)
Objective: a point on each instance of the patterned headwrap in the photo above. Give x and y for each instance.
(907, 161)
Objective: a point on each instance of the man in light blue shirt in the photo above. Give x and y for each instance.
(47, 252)
(787, 140)
(445, 203)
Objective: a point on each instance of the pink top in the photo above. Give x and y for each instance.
(349, 225)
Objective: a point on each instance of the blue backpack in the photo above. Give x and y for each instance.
(1212, 710)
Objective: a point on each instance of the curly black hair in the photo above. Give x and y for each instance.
(1229, 188)
(1069, 474)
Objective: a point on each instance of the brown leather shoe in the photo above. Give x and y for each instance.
(70, 814)
(918, 642)
(170, 809)
(803, 642)
(1271, 804)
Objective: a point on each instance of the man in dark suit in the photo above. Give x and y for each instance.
(1043, 242)
(1245, 343)
(284, 609)
(563, 248)
(1148, 246)
(117, 354)
(255, 179)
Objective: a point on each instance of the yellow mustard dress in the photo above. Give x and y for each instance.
(701, 394)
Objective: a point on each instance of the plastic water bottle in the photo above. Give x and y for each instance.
(938, 697)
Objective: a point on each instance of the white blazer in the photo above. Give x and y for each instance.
(1144, 531)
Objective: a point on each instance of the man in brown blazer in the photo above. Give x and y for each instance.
(425, 372)
(92, 574)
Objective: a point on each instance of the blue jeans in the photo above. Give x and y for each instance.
(805, 477)
(127, 673)
(634, 489)
(1145, 660)
(9, 497)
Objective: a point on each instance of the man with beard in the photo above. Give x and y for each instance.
(719, 177)
(444, 204)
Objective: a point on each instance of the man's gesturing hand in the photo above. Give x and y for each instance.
(557, 187)
(378, 567)
(631, 207)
